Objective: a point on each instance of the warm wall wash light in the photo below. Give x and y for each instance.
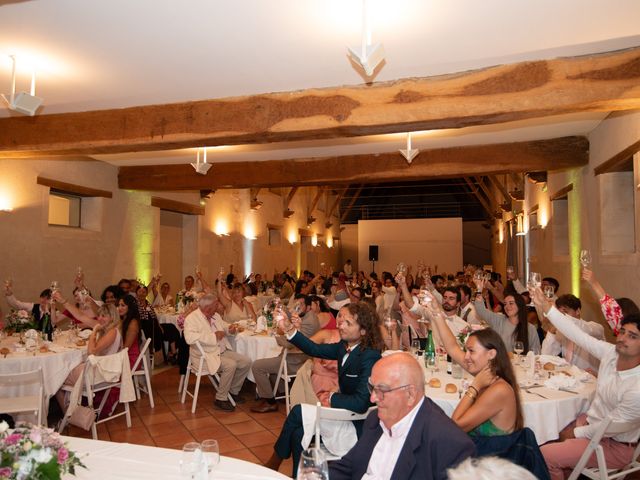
(368, 56)
(201, 168)
(22, 102)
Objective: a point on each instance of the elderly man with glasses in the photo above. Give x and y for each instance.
(409, 436)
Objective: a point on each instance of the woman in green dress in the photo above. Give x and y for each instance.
(491, 405)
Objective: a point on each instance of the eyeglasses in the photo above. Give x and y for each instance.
(382, 391)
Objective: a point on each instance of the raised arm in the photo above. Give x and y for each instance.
(75, 311)
(222, 294)
(440, 326)
(14, 302)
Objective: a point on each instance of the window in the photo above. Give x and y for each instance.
(275, 237)
(617, 210)
(64, 209)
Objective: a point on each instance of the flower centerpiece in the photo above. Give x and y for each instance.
(18, 321)
(34, 452)
(184, 298)
(268, 310)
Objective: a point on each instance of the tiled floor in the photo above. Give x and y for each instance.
(241, 434)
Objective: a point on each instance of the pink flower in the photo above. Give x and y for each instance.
(63, 455)
(12, 439)
(35, 436)
(5, 472)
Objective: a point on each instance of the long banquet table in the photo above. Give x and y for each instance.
(110, 460)
(545, 416)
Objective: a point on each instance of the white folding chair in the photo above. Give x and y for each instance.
(285, 376)
(140, 374)
(339, 414)
(89, 390)
(150, 352)
(601, 472)
(27, 382)
(199, 370)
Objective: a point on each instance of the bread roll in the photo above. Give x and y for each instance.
(4, 351)
(450, 388)
(44, 349)
(81, 343)
(549, 366)
(435, 383)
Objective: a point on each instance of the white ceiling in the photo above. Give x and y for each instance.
(92, 54)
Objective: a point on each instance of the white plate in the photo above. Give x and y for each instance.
(84, 334)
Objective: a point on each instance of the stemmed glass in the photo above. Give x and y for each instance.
(191, 459)
(585, 258)
(415, 347)
(402, 269)
(518, 347)
(548, 291)
(211, 453)
(313, 465)
(388, 321)
(535, 280)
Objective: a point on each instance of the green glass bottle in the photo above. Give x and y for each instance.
(430, 350)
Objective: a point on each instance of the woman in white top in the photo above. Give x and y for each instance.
(162, 298)
(235, 306)
(105, 339)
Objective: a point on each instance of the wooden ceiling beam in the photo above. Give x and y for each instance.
(334, 205)
(487, 192)
(474, 190)
(312, 207)
(591, 83)
(287, 212)
(506, 206)
(565, 152)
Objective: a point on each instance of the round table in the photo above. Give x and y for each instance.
(545, 416)
(56, 364)
(171, 318)
(255, 346)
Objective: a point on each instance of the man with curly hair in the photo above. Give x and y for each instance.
(356, 353)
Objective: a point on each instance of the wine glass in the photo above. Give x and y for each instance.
(585, 258)
(518, 347)
(191, 459)
(415, 347)
(402, 268)
(313, 465)
(510, 270)
(535, 280)
(389, 322)
(54, 287)
(211, 453)
(431, 363)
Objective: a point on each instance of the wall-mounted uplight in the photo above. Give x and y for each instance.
(5, 204)
(329, 241)
(314, 240)
(520, 230)
(293, 238)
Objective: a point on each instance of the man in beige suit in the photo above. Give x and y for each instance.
(231, 366)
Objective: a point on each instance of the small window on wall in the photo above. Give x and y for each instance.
(560, 225)
(64, 209)
(617, 209)
(275, 237)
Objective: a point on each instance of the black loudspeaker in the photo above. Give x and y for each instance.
(373, 253)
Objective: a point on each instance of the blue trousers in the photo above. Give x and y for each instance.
(290, 440)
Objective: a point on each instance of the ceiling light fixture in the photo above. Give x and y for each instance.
(23, 102)
(368, 56)
(201, 168)
(409, 154)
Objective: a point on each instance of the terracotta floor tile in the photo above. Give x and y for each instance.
(151, 418)
(173, 440)
(230, 444)
(263, 452)
(232, 417)
(269, 420)
(201, 422)
(256, 438)
(183, 414)
(160, 429)
(218, 432)
(245, 455)
(138, 435)
(120, 423)
(250, 426)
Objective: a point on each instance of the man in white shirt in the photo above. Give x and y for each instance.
(617, 394)
(555, 343)
(450, 305)
(233, 368)
(467, 309)
(402, 439)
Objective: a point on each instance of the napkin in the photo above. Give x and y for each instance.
(561, 382)
(560, 362)
(581, 375)
(31, 333)
(84, 334)
(261, 324)
(55, 348)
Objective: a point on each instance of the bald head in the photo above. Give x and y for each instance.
(398, 386)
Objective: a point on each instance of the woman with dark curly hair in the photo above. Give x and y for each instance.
(356, 352)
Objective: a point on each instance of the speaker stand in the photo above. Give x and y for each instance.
(373, 266)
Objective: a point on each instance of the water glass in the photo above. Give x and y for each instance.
(518, 347)
(211, 453)
(415, 347)
(191, 459)
(313, 465)
(548, 291)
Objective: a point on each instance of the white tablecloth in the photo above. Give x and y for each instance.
(259, 301)
(55, 366)
(255, 346)
(109, 460)
(546, 417)
(171, 318)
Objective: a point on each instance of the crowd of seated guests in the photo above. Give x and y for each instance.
(338, 318)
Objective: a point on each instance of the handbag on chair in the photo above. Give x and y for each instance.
(83, 417)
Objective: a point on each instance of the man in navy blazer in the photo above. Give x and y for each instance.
(409, 437)
(356, 353)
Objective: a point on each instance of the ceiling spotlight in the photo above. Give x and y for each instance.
(409, 154)
(22, 102)
(368, 56)
(201, 168)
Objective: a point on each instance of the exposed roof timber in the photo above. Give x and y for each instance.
(474, 190)
(553, 154)
(602, 82)
(351, 204)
